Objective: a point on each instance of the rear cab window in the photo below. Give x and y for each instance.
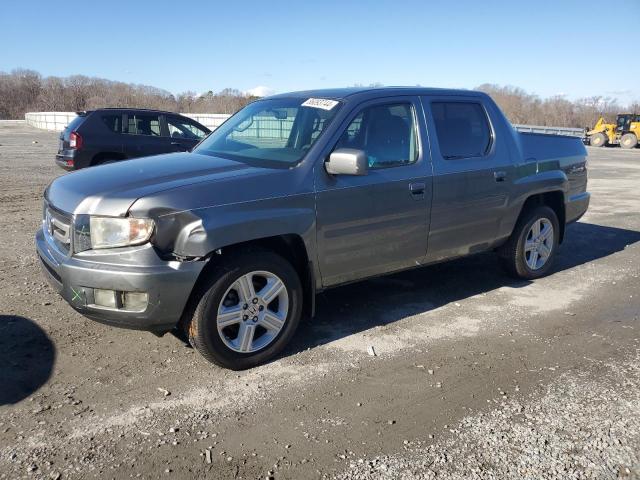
(462, 129)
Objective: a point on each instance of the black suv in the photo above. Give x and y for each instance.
(112, 134)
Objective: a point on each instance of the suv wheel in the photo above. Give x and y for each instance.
(531, 249)
(248, 312)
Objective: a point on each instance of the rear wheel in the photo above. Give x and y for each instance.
(629, 140)
(248, 311)
(531, 249)
(598, 140)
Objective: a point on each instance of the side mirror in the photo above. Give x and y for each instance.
(347, 161)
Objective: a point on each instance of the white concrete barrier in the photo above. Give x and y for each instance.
(49, 120)
(59, 120)
(209, 120)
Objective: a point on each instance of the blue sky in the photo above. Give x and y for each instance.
(545, 47)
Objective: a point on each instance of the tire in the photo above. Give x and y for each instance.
(598, 140)
(517, 260)
(629, 140)
(227, 289)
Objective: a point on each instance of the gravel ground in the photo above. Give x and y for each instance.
(474, 374)
(585, 425)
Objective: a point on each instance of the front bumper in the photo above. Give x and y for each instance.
(131, 269)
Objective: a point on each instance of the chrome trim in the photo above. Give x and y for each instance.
(58, 229)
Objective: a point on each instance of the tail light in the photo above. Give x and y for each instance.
(75, 140)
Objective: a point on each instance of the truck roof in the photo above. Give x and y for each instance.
(375, 92)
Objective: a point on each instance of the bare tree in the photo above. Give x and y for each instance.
(522, 107)
(25, 90)
(22, 91)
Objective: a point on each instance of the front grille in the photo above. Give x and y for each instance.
(58, 226)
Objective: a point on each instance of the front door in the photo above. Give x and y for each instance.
(376, 223)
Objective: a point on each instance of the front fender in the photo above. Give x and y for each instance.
(198, 232)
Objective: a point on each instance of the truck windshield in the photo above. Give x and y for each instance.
(277, 131)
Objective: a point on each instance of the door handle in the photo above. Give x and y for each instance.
(500, 176)
(417, 189)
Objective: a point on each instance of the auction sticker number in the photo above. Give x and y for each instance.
(322, 103)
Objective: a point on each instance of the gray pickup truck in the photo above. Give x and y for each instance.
(297, 193)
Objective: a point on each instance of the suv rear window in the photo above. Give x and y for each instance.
(75, 123)
(462, 129)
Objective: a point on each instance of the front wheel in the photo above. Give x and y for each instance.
(248, 311)
(531, 249)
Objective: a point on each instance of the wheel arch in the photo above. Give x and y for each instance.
(289, 246)
(553, 199)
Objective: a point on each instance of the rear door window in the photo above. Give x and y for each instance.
(143, 124)
(462, 129)
(113, 122)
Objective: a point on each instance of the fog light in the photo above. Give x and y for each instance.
(104, 298)
(135, 301)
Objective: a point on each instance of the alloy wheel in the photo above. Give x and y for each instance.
(253, 311)
(539, 243)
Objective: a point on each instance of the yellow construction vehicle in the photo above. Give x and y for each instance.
(625, 132)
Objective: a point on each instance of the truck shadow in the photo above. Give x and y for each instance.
(27, 356)
(360, 306)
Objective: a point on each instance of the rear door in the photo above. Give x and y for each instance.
(376, 223)
(184, 133)
(143, 135)
(472, 174)
(107, 131)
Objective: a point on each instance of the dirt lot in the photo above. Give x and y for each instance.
(476, 376)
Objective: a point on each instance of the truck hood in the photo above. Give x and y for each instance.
(111, 189)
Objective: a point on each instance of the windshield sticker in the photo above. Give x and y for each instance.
(321, 103)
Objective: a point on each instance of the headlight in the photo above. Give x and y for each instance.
(109, 232)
